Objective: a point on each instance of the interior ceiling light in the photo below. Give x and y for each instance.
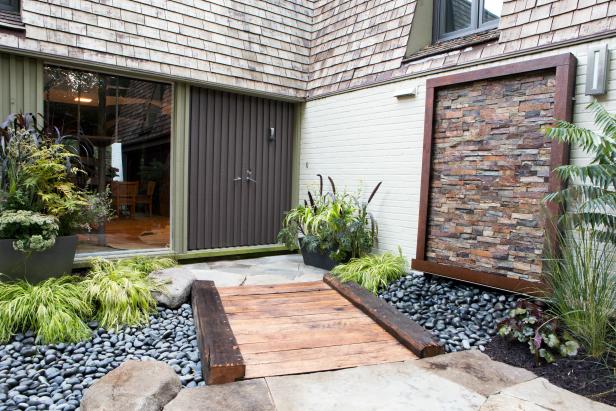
(83, 99)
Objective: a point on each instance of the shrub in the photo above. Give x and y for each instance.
(590, 200)
(37, 174)
(338, 223)
(582, 287)
(528, 323)
(54, 309)
(373, 271)
(580, 272)
(121, 291)
(31, 231)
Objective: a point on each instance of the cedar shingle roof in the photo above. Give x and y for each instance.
(295, 48)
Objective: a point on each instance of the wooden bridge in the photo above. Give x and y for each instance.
(267, 330)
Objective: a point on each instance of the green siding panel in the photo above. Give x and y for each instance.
(21, 86)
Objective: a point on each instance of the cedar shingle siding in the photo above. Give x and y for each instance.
(295, 48)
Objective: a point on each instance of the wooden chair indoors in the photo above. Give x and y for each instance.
(146, 199)
(124, 193)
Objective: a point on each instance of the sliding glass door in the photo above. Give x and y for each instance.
(124, 128)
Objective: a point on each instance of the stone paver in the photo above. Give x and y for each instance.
(277, 269)
(133, 386)
(476, 371)
(503, 402)
(391, 387)
(250, 395)
(543, 393)
(220, 278)
(177, 286)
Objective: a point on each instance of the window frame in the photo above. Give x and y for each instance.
(477, 24)
(16, 9)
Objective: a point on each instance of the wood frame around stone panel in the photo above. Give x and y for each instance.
(564, 65)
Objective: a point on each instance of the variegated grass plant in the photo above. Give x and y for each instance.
(54, 308)
(373, 271)
(121, 291)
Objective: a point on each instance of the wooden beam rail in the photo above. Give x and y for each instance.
(406, 331)
(221, 359)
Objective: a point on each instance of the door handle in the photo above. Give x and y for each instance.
(249, 176)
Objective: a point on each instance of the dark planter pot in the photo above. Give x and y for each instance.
(38, 266)
(317, 258)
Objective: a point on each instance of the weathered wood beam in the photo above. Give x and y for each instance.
(406, 331)
(221, 359)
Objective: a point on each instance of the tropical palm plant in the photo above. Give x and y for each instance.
(590, 197)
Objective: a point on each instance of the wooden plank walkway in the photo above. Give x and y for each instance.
(304, 327)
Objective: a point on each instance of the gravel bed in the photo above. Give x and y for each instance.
(461, 315)
(54, 377)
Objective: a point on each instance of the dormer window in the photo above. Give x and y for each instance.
(10, 15)
(456, 18)
(10, 5)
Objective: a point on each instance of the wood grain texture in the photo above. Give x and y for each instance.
(273, 289)
(221, 358)
(406, 331)
(304, 327)
(229, 142)
(311, 361)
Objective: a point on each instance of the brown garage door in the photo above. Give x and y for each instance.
(240, 168)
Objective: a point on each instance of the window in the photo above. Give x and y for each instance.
(124, 129)
(455, 18)
(9, 5)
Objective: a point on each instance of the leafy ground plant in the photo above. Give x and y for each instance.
(528, 323)
(121, 291)
(54, 309)
(373, 271)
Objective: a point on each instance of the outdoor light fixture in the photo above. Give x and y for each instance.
(596, 70)
(272, 134)
(412, 92)
(83, 99)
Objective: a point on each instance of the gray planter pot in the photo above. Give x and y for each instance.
(317, 258)
(38, 266)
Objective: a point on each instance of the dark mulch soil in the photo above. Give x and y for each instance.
(583, 376)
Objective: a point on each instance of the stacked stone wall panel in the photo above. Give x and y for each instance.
(490, 171)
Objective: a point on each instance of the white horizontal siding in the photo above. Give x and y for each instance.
(366, 136)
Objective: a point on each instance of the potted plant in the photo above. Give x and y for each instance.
(41, 207)
(330, 228)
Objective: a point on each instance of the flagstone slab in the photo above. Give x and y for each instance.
(257, 271)
(543, 393)
(279, 279)
(220, 278)
(133, 386)
(250, 395)
(503, 402)
(476, 371)
(392, 387)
